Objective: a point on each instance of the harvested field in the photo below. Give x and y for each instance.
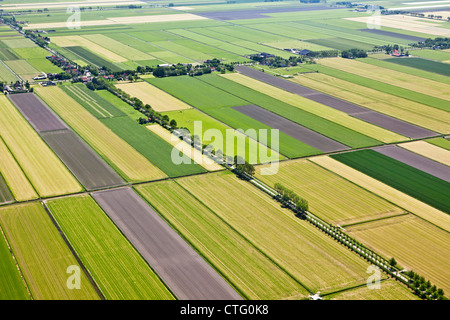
(119, 155)
(81, 160)
(417, 161)
(394, 78)
(45, 171)
(331, 197)
(397, 197)
(416, 245)
(389, 290)
(13, 175)
(315, 260)
(159, 100)
(122, 20)
(292, 129)
(41, 117)
(409, 23)
(412, 181)
(194, 154)
(42, 254)
(186, 274)
(330, 108)
(415, 113)
(242, 264)
(115, 265)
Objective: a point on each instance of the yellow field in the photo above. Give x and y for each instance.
(71, 41)
(416, 245)
(316, 260)
(318, 109)
(395, 78)
(122, 20)
(187, 150)
(45, 171)
(159, 100)
(407, 110)
(401, 199)
(389, 290)
(120, 154)
(330, 197)
(428, 150)
(405, 23)
(14, 176)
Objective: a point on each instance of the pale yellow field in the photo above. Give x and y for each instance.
(71, 41)
(416, 245)
(389, 290)
(428, 150)
(405, 23)
(159, 100)
(14, 176)
(407, 110)
(64, 4)
(330, 196)
(401, 199)
(395, 78)
(184, 147)
(122, 20)
(45, 171)
(119, 153)
(318, 109)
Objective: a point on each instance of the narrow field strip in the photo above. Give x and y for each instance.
(116, 151)
(416, 245)
(42, 253)
(419, 208)
(395, 78)
(114, 264)
(428, 150)
(194, 154)
(13, 175)
(407, 110)
(183, 270)
(242, 264)
(330, 197)
(315, 260)
(5, 193)
(389, 290)
(158, 99)
(93, 104)
(46, 172)
(317, 109)
(12, 287)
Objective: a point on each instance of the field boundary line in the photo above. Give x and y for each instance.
(16, 262)
(191, 244)
(250, 242)
(90, 103)
(89, 98)
(73, 251)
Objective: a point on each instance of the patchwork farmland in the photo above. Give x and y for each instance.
(246, 150)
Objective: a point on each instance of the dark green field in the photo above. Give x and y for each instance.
(5, 194)
(414, 182)
(150, 146)
(423, 64)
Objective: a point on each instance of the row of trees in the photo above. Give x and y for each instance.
(354, 53)
(423, 288)
(189, 69)
(437, 43)
(288, 195)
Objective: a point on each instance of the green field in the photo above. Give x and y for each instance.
(341, 43)
(407, 179)
(431, 54)
(96, 105)
(119, 104)
(423, 64)
(155, 149)
(5, 193)
(242, 264)
(92, 58)
(42, 254)
(440, 142)
(6, 75)
(115, 265)
(315, 260)
(12, 287)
